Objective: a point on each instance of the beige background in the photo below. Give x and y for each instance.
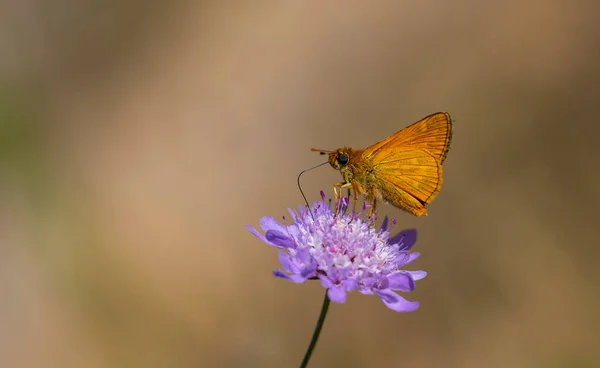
(138, 138)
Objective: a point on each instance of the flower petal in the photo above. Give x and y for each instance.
(350, 284)
(365, 286)
(309, 271)
(413, 256)
(417, 275)
(293, 231)
(257, 234)
(401, 280)
(402, 258)
(269, 223)
(279, 239)
(405, 238)
(337, 294)
(286, 262)
(292, 213)
(303, 257)
(325, 281)
(396, 302)
(293, 277)
(380, 282)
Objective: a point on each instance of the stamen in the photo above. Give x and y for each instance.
(393, 225)
(345, 203)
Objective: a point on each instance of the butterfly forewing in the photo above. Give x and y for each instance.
(432, 134)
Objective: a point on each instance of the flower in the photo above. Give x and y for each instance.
(345, 253)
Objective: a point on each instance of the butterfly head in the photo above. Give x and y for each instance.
(338, 159)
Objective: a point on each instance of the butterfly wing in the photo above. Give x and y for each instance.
(408, 178)
(433, 134)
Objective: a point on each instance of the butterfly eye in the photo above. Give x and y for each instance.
(342, 159)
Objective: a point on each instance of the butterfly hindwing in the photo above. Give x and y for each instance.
(407, 178)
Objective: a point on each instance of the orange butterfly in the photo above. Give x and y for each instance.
(405, 169)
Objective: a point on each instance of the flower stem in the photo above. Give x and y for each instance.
(317, 332)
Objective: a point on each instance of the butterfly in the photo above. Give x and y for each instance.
(404, 169)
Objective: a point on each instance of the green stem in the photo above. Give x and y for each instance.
(317, 332)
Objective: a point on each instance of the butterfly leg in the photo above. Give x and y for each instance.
(373, 207)
(337, 190)
(352, 193)
(355, 195)
(373, 201)
(355, 199)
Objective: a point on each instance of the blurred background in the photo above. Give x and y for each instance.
(137, 138)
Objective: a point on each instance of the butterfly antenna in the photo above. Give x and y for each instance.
(300, 187)
(323, 152)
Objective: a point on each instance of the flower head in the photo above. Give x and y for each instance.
(345, 253)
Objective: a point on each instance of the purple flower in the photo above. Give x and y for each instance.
(345, 253)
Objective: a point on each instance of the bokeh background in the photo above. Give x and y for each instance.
(137, 138)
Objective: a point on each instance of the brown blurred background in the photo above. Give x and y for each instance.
(137, 138)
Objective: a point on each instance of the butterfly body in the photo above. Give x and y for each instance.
(404, 169)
